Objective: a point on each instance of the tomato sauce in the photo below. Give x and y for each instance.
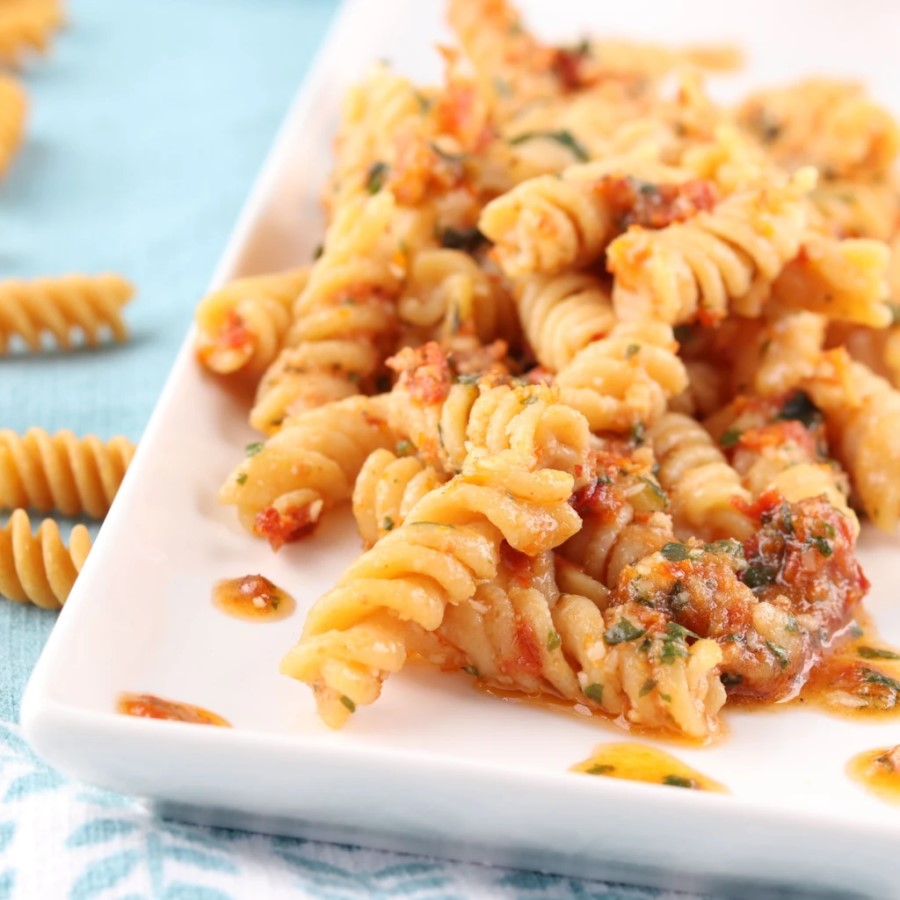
(253, 597)
(148, 706)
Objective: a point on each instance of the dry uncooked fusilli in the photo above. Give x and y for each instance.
(85, 305)
(38, 567)
(61, 472)
(13, 109)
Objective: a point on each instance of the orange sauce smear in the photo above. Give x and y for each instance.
(860, 679)
(253, 597)
(878, 771)
(148, 706)
(638, 762)
(560, 706)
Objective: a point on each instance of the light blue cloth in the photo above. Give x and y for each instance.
(149, 121)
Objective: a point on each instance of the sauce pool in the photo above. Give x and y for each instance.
(253, 597)
(638, 762)
(878, 771)
(148, 706)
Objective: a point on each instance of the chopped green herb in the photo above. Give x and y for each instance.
(675, 552)
(638, 433)
(856, 631)
(800, 408)
(447, 155)
(667, 698)
(632, 350)
(319, 250)
(348, 703)
(254, 448)
(678, 781)
(424, 102)
(895, 313)
(822, 545)
(730, 437)
(652, 499)
(388, 523)
(594, 692)
(622, 632)
(467, 379)
(779, 653)
(404, 447)
(601, 769)
(553, 640)
(730, 679)
(440, 431)
(376, 177)
(241, 478)
(471, 670)
(563, 137)
(758, 576)
(872, 676)
(646, 687)
(876, 653)
(466, 239)
(679, 632)
(532, 398)
(726, 545)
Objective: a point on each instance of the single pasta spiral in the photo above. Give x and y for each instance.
(840, 279)
(727, 257)
(75, 476)
(705, 491)
(448, 293)
(241, 327)
(90, 304)
(27, 26)
(386, 489)
(286, 484)
(863, 412)
(343, 319)
(445, 421)
(562, 314)
(552, 223)
(450, 543)
(626, 379)
(39, 568)
(13, 109)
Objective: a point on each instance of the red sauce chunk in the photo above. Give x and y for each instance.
(149, 706)
(253, 597)
(649, 205)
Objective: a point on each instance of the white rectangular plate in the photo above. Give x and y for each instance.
(434, 766)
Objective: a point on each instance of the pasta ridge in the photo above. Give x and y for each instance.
(13, 111)
(59, 306)
(61, 472)
(38, 567)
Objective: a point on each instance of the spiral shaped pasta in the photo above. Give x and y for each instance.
(447, 294)
(241, 327)
(343, 319)
(863, 412)
(840, 279)
(27, 26)
(727, 257)
(445, 421)
(75, 476)
(450, 543)
(830, 124)
(285, 485)
(624, 513)
(562, 314)
(387, 488)
(13, 109)
(706, 493)
(89, 304)
(624, 380)
(854, 208)
(39, 568)
(549, 224)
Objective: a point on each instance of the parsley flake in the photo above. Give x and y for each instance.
(254, 448)
(594, 692)
(622, 632)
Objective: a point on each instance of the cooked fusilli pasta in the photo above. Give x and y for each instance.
(26, 26)
(84, 305)
(74, 476)
(241, 327)
(725, 258)
(287, 483)
(38, 567)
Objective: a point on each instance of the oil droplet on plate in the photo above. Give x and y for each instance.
(253, 597)
(148, 706)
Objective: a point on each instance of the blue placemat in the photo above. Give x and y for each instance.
(148, 123)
